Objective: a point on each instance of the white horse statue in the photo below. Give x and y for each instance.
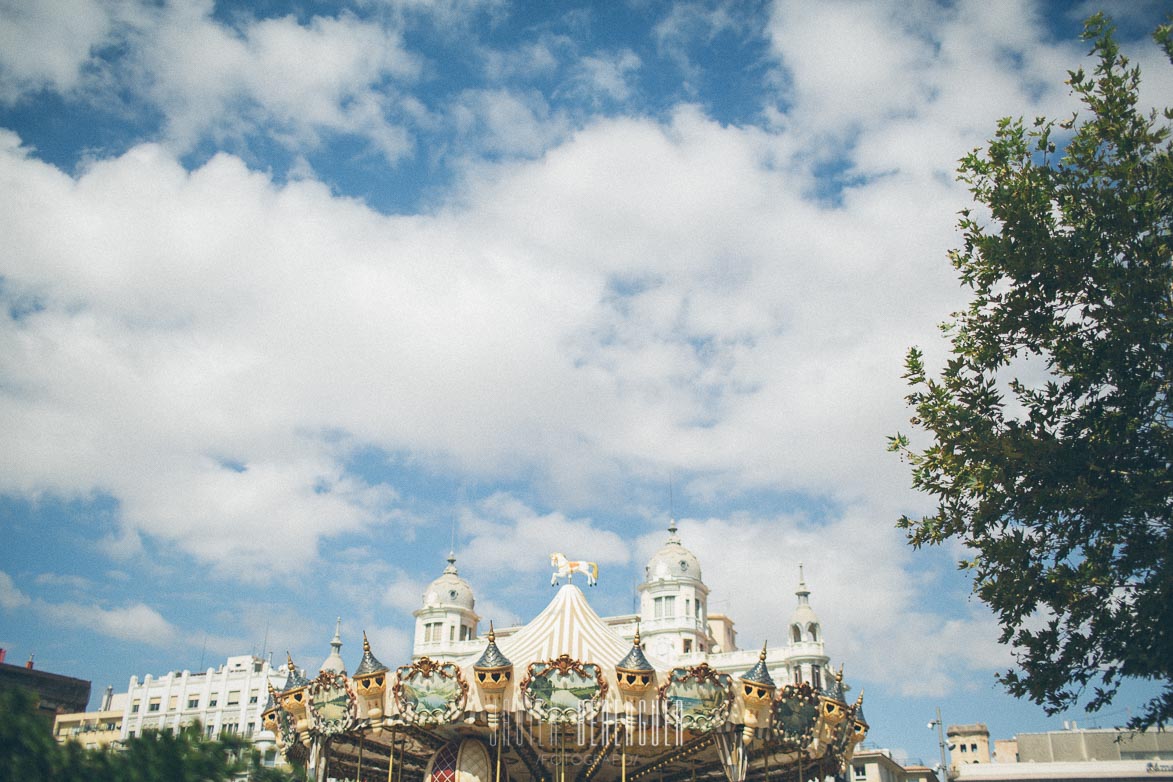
(566, 568)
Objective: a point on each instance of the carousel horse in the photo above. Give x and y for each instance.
(566, 568)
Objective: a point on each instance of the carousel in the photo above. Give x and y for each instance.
(564, 698)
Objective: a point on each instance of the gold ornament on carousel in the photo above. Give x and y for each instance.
(294, 699)
(757, 692)
(635, 676)
(832, 712)
(859, 729)
(370, 684)
(493, 673)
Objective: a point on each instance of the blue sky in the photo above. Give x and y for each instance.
(297, 294)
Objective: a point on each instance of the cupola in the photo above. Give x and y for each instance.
(334, 663)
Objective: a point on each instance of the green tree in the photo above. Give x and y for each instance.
(1049, 440)
(28, 753)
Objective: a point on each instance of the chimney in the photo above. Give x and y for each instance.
(108, 697)
(3, 654)
(29, 664)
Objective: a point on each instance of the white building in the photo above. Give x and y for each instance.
(227, 699)
(674, 623)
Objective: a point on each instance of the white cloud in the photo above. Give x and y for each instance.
(47, 43)
(505, 535)
(11, 598)
(135, 622)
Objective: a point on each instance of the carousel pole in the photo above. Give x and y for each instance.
(497, 775)
(358, 772)
(391, 758)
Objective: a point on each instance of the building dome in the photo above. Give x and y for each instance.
(449, 589)
(673, 560)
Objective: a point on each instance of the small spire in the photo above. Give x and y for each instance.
(672, 536)
(369, 663)
(759, 674)
(492, 656)
(802, 592)
(451, 562)
(635, 661)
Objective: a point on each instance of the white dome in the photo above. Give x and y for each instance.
(449, 589)
(673, 561)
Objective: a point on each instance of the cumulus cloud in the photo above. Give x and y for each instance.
(47, 44)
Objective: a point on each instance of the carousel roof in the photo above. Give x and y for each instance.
(568, 625)
(492, 658)
(369, 663)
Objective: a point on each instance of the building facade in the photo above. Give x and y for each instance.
(226, 699)
(1069, 755)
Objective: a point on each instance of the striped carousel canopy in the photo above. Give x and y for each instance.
(568, 625)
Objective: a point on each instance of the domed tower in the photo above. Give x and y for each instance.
(446, 618)
(674, 602)
(808, 661)
(334, 662)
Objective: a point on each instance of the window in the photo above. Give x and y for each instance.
(859, 771)
(796, 633)
(687, 645)
(687, 606)
(208, 731)
(816, 677)
(432, 632)
(797, 675)
(193, 703)
(963, 748)
(252, 697)
(248, 729)
(465, 633)
(697, 608)
(665, 607)
(813, 629)
(154, 704)
(130, 734)
(452, 633)
(212, 703)
(234, 698)
(134, 708)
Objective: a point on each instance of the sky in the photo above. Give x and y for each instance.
(297, 296)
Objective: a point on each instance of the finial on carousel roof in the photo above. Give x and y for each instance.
(492, 658)
(859, 708)
(272, 702)
(759, 674)
(635, 661)
(369, 663)
(294, 679)
(634, 675)
(835, 687)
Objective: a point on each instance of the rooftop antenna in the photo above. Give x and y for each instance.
(265, 643)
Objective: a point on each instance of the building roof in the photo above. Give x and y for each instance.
(449, 589)
(673, 560)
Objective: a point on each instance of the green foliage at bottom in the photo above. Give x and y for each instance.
(28, 753)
